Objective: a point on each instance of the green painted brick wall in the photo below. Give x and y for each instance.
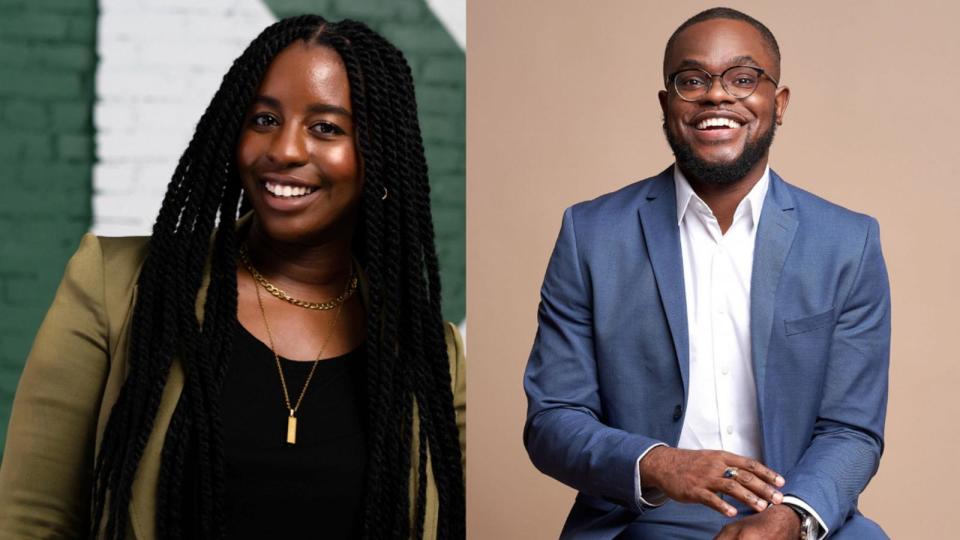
(47, 61)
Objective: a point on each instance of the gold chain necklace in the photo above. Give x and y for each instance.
(281, 294)
(292, 419)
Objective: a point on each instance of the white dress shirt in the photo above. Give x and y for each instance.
(722, 409)
(722, 396)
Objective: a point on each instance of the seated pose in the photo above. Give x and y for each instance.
(713, 335)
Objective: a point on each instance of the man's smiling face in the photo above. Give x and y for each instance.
(719, 138)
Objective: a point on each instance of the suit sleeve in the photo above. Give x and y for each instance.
(848, 434)
(564, 434)
(47, 462)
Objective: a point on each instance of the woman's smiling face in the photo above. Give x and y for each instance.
(297, 154)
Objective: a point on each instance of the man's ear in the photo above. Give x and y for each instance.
(781, 100)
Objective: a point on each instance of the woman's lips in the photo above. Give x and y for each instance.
(286, 190)
(282, 197)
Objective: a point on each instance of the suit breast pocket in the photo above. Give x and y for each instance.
(808, 324)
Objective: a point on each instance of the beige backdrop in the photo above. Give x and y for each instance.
(562, 107)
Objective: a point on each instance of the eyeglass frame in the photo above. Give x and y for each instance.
(672, 81)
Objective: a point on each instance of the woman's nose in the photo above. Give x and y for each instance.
(288, 145)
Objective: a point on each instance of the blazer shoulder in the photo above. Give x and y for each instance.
(121, 259)
(828, 218)
(815, 203)
(458, 384)
(123, 256)
(623, 202)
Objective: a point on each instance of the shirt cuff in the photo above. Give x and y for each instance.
(791, 500)
(655, 497)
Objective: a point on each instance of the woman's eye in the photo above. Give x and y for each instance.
(263, 120)
(326, 128)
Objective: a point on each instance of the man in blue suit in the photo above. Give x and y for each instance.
(713, 343)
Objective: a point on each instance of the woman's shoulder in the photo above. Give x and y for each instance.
(455, 350)
(458, 384)
(112, 262)
(119, 258)
(122, 250)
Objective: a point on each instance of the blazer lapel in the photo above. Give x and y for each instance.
(777, 228)
(658, 218)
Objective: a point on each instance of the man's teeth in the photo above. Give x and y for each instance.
(288, 191)
(718, 122)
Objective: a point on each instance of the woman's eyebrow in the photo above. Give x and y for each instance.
(314, 108)
(326, 108)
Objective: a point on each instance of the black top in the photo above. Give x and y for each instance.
(313, 488)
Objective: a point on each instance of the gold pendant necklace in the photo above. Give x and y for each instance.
(281, 294)
(292, 418)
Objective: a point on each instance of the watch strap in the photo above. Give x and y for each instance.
(809, 528)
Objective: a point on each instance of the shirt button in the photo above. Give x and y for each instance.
(729, 430)
(677, 413)
(724, 370)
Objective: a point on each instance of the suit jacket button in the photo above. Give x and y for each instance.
(677, 413)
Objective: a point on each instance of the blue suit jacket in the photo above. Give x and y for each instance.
(608, 374)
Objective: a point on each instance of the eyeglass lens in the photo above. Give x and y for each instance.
(739, 81)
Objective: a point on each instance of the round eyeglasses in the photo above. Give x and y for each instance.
(738, 81)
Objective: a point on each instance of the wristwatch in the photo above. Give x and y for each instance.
(809, 526)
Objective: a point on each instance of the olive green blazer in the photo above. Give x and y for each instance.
(69, 385)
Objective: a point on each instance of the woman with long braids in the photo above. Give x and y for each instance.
(282, 373)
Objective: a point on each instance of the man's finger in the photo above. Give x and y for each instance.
(711, 500)
(735, 489)
(762, 489)
(768, 475)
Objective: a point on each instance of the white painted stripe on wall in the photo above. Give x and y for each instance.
(452, 14)
(160, 63)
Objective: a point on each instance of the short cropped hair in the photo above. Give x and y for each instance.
(725, 13)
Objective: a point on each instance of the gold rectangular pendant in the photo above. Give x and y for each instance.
(292, 429)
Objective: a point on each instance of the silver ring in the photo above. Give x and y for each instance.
(730, 472)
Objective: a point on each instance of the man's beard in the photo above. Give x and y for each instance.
(719, 173)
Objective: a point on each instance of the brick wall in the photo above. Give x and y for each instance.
(47, 65)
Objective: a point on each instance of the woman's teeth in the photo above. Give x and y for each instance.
(282, 190)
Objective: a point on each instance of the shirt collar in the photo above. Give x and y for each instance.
(753, 202)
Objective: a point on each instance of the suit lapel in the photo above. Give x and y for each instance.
(658, 218)
(778, 226)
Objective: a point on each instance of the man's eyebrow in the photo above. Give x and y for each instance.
(688, 63)
(742, 60)
(315, 108)
(745, 60)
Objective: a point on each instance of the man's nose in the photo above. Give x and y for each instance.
(717, 94)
